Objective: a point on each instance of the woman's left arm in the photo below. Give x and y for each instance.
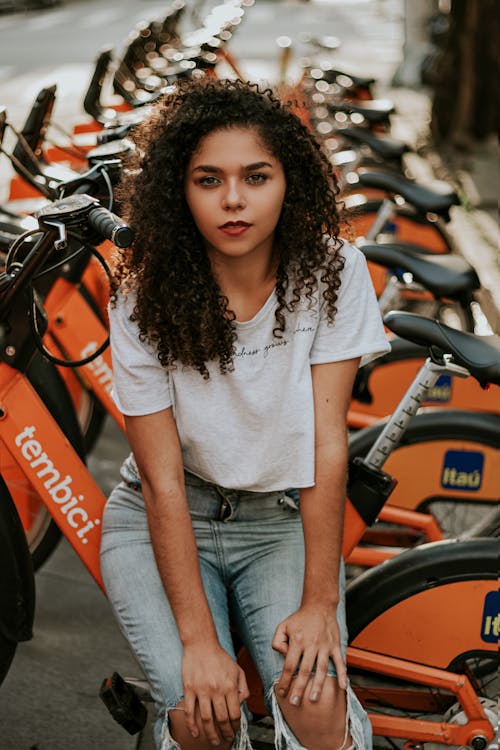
(311, 636)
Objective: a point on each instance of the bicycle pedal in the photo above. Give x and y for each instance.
(123, 703)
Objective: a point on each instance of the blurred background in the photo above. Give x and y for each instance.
(437, 60)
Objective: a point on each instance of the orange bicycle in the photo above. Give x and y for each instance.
(421, 673)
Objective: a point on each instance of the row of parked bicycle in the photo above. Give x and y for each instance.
(423, 627)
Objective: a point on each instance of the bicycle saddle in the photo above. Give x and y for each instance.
(480, 355)
(387, 148)
(422, 198)
(92, 99)
(375, 111)
(443, 275)
(331, 75)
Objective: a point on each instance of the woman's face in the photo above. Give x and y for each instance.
(234, 189)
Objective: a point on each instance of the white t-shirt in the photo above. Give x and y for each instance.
(252, 428)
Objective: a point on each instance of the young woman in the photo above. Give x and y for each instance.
(238, 322)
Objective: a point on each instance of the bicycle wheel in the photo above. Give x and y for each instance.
(17, 585)
(446, 464)
(435, 606)
(41, 531)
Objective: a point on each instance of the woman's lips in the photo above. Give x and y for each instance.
(234, 228)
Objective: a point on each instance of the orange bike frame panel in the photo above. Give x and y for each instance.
(454, 610)
(57, 474)
(423, 522)
(418, 729)
(447, 472)
(78, 332)
(354, 528)
(388, 384)
(358, 224)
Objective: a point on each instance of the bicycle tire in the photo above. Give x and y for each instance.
(42, 532)
(17, 584)
(464, 430)
(404, 608)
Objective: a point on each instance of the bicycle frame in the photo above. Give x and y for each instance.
(38, 446)
(65, 305)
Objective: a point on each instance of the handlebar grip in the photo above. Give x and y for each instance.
(111, 227)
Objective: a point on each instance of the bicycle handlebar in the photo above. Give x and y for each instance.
(77, 214)
(110, 226)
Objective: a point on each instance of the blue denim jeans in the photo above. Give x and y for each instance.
(251, 554)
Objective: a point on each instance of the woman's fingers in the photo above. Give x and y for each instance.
(208, 719)
(189, 713)
(280, 640)
(319, 676)
(243, 691)
(234, 711)
(291, 663)
(340, 667)
(303, 676)
(222, 718)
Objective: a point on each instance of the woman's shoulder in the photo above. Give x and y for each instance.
(351, 254)
(351, 257)
(122, 302)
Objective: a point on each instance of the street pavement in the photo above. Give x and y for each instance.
(49, 699)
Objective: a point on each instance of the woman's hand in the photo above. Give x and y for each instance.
(309, 637)
(216, 685)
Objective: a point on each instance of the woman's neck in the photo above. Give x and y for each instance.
(246, 282)
(244, 275)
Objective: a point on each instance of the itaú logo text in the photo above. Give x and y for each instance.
(98, 367)
(59, 489)
(462, 470)
(490, 626)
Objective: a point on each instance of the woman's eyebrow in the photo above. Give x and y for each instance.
(206, 168)
(258, 165)
(216, 170)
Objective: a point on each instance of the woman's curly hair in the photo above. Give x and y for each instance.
(180, 308)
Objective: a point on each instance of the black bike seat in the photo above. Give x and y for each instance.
(478, 354)
(375, 111)
(443, 275)
(362, 82)
(423, 199)
(387, 148)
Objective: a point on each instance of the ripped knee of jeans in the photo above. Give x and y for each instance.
(355, 732)
(167, 742)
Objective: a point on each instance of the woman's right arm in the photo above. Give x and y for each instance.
(214, 685)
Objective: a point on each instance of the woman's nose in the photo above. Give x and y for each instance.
(233, 196)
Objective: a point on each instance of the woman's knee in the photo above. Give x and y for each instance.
(183, 737)
(318, 725)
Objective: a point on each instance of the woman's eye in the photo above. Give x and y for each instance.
(256, 178)
(208, 181)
